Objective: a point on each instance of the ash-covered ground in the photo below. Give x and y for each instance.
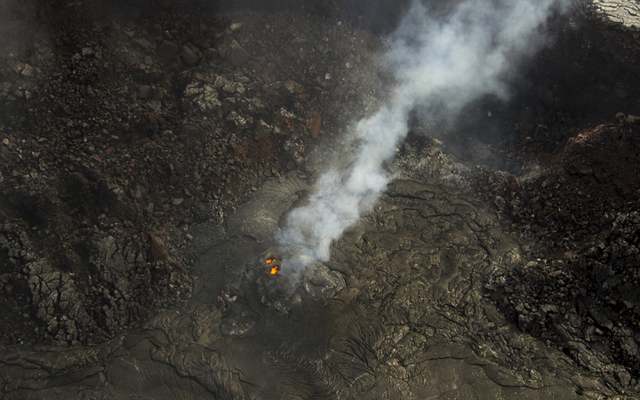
(132, 132)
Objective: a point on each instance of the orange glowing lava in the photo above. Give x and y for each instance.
(273, 269)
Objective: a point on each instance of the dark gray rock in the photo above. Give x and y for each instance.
(236, 54)
(405, 318)
(320, 281)
(240, 324)
(167, 50)
(191, 54)
(263, 130)
(291, 88)
(145, 91)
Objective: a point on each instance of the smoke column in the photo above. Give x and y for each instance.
(448, 62)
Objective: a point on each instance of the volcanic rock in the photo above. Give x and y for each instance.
(410, 311)
(320, 281)
(123, 178)
(167, 50)
(236, 54)
(292, 88)
(190, 53)
(624, 12)
(263, 130)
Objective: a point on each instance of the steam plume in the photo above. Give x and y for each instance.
(451, 62)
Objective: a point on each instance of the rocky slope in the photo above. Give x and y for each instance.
(120, 128)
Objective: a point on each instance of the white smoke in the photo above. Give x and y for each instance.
(448, 62)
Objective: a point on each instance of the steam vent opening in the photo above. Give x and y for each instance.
(345, 199)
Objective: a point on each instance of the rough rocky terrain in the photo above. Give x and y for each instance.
(582, 250)
(408, 320)
(119, 132)
(133, 132)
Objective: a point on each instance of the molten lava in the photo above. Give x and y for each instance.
(275, 268)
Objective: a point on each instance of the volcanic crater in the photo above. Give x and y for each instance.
(152, 152)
